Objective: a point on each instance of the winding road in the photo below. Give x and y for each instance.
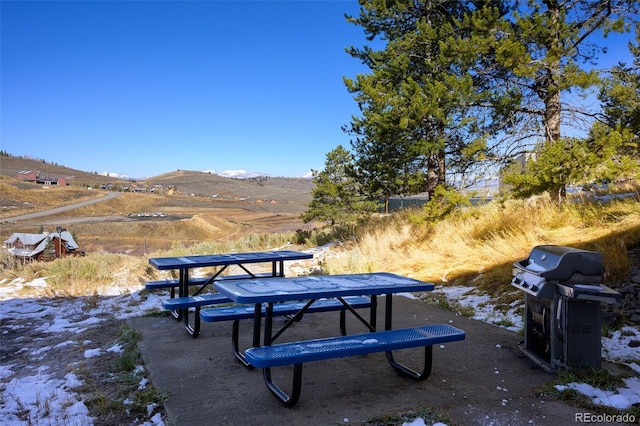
(29, 216)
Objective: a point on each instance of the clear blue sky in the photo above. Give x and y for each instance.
(141, 88)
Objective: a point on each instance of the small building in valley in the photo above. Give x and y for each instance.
(45, 246)
(37, 177)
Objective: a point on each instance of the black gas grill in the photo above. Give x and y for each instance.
(562, 316)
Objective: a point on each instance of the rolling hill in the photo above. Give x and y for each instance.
(200, 206)
(266, 189)
(10, 166)
(188, 183)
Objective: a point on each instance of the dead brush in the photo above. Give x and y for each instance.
(476, 240)
(82, 276)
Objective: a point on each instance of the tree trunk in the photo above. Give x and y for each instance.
(552, 111)
(551, 90)
(558, 193)
(432, 175)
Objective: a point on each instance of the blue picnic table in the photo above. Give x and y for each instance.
(185, 264)
(314, 288)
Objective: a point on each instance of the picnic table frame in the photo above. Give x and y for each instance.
(186, 263)
(312, 288)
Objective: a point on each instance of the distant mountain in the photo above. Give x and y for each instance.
(236, 174)
(230, 184)
(11, 165)
(211, 184)
(115, 175)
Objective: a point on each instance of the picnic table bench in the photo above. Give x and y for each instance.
(173, 283)
(298, 352)
(293, 309)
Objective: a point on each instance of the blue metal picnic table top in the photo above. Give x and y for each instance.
(319, 286)
(200, 261)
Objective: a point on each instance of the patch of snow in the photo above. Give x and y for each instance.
(622, 398)
(92, 353)
(41, 396)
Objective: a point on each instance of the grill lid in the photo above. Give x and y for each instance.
(559, 263)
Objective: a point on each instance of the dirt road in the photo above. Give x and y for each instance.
(29, 216)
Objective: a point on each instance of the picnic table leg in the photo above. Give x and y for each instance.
(236, 347)
(373, 311)
(403, 369)
(184, 313)
(183, 282)
(195, 330)
(268, 325)
(287, 400)
(257, 319)
(388, 311)
(371, 325)
(177, 314)
(406, 371)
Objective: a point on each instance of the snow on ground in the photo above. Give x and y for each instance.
(484, 310)
(616, 348)
(41, 393)
(44, 393)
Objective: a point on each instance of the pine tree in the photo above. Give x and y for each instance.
(414, 126)
(459, 85)
(544, 51)
(337, 197)
(620, 94)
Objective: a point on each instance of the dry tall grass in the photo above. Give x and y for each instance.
(478, 245)
(96, 272)
(75, 276)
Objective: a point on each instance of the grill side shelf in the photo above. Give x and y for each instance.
(597, 293)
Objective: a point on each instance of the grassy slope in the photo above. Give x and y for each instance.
(475, 247)
(281, 189)
(478, 246)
